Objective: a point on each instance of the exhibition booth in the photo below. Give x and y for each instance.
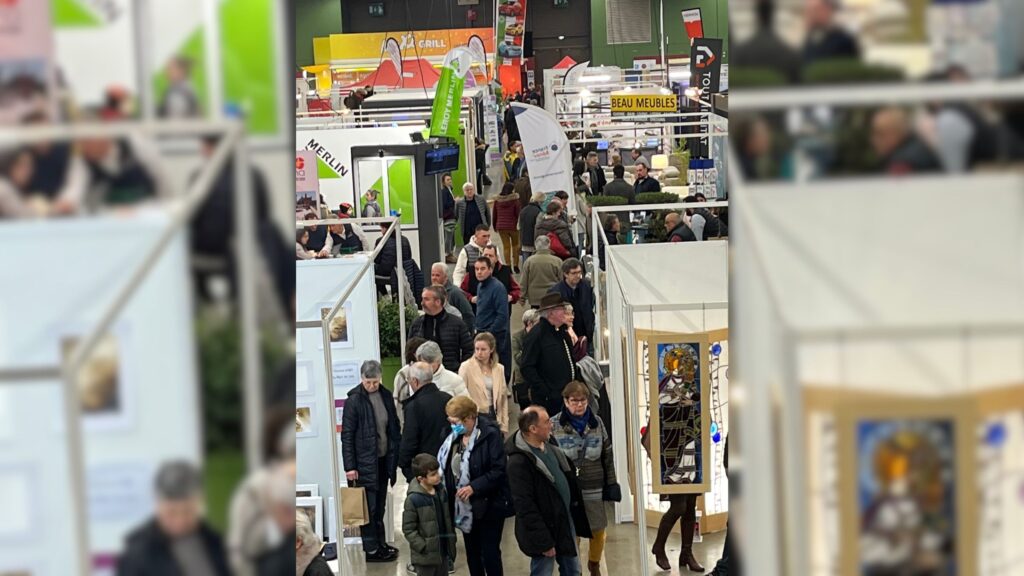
(89, 405)
(871, 358)
(668, 351)
(337, 330)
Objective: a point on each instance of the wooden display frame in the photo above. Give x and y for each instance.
(963, 422)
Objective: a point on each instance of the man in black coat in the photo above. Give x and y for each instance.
(825, 39)
(644, 182)
(177, 542)
(678, 229)
(436, 325)
(547, 500)
(386, 261)
(576, 290)
(426, 424)
(370, 438)
(597, 177)
(547, 361)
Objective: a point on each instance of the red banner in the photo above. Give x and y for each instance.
(510, 29)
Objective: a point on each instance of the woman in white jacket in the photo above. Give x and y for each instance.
(485, 379)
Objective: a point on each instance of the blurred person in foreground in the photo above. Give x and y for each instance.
(258, 514)
(826, 40)
(308, 561)
(765, 50)
(898, 148)
(177, 541)
(123, 172)
(60, 174)
(16, 169)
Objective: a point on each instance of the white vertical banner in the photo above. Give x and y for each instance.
(395, 54)
(548, 156)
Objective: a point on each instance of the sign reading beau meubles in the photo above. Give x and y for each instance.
(633, 103)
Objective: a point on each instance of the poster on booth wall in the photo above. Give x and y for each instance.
(307, 184)
(491, 135)
(26, 64)
(510, 27)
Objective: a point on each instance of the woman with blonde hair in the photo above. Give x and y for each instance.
(485, 378)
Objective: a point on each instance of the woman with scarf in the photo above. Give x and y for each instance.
(473, 469)
(581, 435)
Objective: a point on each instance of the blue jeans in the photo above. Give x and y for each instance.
(567, 565)
(544, 566)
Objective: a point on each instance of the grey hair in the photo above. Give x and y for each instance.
(538, 197)
(178, 480)
(430, 352)
(440, 266)
(304, 531)
(468, 185)
(542, 242)
(370, 369)
(421, 371)
(530, 316)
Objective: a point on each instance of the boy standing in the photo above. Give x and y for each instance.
(426, 522)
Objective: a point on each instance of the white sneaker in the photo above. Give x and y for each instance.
(410, 568)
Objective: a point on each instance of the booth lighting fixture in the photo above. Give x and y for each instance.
(561, 37)
(584, 93)
(599, 78)
(665, 91)
(683, 72)
(659, 161)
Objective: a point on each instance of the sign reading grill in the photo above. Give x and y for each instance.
(631, 103)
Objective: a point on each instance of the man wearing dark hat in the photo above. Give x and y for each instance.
(547, 364)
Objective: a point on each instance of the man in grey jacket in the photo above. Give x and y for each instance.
(541, 271)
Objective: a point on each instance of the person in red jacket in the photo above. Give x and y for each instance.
(501, 272)
(505, 217)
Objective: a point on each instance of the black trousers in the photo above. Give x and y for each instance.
(483, 546)
(376, 501)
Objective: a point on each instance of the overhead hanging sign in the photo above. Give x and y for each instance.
(421, 44)
(509, 29)
(476, 46)
(706, 65)
(693, 23)
(632, 103)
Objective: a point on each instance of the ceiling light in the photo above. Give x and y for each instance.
(561, 37)
(598, 78)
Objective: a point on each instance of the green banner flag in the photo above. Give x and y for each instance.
(444, 116)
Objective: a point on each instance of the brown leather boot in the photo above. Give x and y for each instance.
(594, 567)
(664, 528)
(686, 548)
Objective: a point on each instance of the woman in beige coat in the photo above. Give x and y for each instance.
(485, 378)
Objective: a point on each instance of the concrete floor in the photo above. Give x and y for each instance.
(621, 556)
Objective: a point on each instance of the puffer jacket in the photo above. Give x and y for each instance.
(505, 213)
(591, 453)
(427, 525)
(542, 521)
(551, 224)
(359, 436)
(451, 334)
(528, 225)
(487, 476)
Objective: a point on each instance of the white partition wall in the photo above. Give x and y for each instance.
(148, 412)
(871, 293)
(319, 284)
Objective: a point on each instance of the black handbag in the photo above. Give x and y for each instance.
(612, 493)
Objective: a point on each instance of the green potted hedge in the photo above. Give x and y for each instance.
(657, 198)
(390, 337)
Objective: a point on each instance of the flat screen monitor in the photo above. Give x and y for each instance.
(653, 143)
(602, 144)
(440, 160)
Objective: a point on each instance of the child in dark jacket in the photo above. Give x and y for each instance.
(426, 522)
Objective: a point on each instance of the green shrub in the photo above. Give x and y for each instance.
(220, 372)
(657, 198)
(753, 77)
(850, 71)
(390, 329)
(608, 201)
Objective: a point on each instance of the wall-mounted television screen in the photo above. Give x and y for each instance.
(440, 160)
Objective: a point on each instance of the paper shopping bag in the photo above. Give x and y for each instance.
(354, 511)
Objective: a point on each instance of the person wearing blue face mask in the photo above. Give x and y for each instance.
(472, 462)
